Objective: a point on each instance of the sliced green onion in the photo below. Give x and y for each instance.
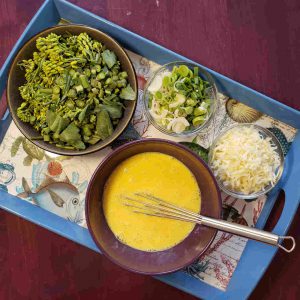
(198, 120)
(183, 70)
(196, 72)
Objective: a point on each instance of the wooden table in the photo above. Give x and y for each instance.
(254, 42)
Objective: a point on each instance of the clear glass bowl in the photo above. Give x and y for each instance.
(264, 133)
(211, 91)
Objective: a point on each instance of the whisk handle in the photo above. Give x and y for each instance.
(249, 232)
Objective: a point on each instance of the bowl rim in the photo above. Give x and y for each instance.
(106, 160)
(60, 151)
(280, 168)
(196, 129)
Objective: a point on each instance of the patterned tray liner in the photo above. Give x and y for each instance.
(58, 183)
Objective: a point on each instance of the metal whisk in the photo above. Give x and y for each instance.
(150, 205)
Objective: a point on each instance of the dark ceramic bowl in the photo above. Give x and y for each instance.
(16, 78)
(160, 262)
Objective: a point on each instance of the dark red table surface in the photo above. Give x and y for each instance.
(254, 42)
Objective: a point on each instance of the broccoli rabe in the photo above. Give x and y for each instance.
(74, 91)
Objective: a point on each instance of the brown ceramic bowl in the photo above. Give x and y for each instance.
(160, 262)
(16, 78)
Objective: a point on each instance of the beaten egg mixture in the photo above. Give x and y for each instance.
(162, 176)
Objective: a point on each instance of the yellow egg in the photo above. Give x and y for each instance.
(162, 176)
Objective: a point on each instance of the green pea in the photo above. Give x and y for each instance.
(98, 68)
(72, 93)
(60, 81)
(115, 71)
(101, 76)
(99, 85)
(113, 85)
(56, 89)
(93, 71)
(123, 75)
(95, 91)
(121, 83)
(101, 93)
(87, 72)
(80, 103)
(91, 94)
(70, 104)
(108, 81)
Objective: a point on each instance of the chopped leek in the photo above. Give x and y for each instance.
(178, 99)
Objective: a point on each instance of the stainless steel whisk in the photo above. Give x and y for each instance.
(150, 205)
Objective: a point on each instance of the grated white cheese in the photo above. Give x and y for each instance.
(244, 161)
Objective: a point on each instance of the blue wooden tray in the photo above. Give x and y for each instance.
(256, 257)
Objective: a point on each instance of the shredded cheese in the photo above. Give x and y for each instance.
(244, 161)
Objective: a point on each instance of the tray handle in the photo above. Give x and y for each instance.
(291, 188)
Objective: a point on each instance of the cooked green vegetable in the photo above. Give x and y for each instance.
(74, 91)
(72, 137)
(127, 93)
(104, 126)
(179, 100)
(109, 57)
(115, 110)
